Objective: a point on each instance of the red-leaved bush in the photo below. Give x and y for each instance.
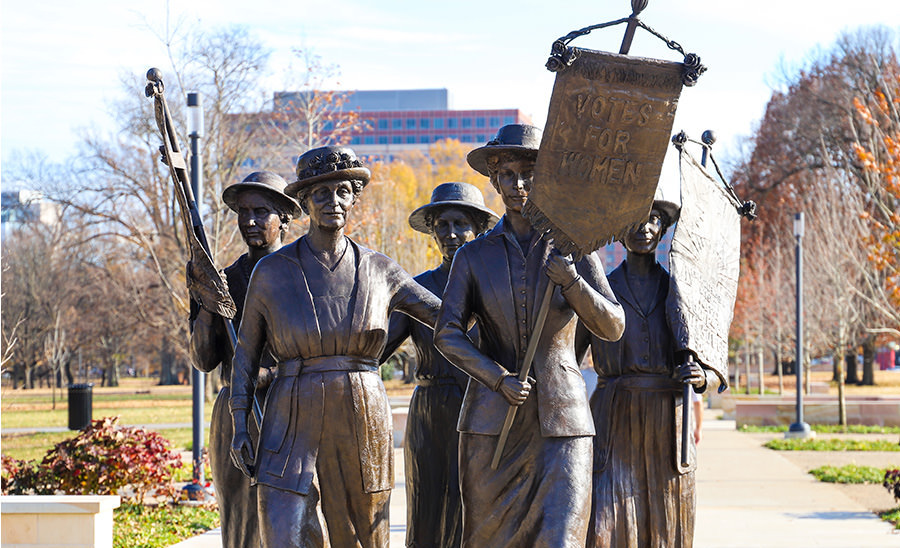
(101, 460)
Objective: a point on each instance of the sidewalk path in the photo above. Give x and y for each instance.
(750, 496)
(747, 497)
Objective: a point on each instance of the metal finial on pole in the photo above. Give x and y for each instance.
(637, 6)
(709, 138)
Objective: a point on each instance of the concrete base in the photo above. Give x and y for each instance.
(32, 521)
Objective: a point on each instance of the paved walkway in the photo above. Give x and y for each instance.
(748, 497)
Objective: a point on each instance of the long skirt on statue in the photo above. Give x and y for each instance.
(234, 494)
(539, 496)
(431, 449)
(642, 495)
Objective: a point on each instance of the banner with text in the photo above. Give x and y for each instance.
(607, 130)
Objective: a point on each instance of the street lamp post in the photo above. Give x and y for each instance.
(195, 130)
(799, 429)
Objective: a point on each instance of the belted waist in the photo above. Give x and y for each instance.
(322, 364)
(651, 383)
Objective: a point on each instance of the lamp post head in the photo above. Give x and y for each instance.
(195, 114)
(798, 225)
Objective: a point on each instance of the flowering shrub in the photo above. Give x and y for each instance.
(101, 460)
(892, 482)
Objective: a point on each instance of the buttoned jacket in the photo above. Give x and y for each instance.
(502, 293)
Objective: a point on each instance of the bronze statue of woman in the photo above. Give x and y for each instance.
(324, 462)
(455, 215)
(643, 495)
(540, 494)
(264, 212)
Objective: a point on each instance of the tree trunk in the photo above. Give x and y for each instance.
(842, 399)
(28, 383)
(747, 368)
(850, 361)
(166, 365)
(868, 348)
(112, 373)
(762, 383)
(67, 369)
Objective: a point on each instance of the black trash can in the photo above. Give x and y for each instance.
(81, 402)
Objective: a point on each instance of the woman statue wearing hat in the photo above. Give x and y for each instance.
(324, 462)
(539, 495)
(264, 213)
(455, 215)
(643, 496)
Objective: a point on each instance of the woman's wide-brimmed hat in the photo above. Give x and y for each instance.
(519, 138)
(271, 184)
(326, 164)
(461, 195)
(671, 209)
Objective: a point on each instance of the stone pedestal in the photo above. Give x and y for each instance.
(70, 521)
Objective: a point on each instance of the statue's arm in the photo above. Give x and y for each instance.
(450, 331)
(414, 300)
(398, 331)
(593, 300)
(247, 354)
(208, 341)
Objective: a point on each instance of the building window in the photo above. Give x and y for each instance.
(438, 138)
(396, 139)
(423, 139)
(466, 122)
(382, 123)
(382, 139)
(411, 139)
(508, 120)
(481, 138)
(423, 123)
(451, 123)
(479, 122)
(354, 140)
(495, 121)
(410, 123)
(438, 123)
(370, 140)
(397, 123)
(466, 138)
(328, 126)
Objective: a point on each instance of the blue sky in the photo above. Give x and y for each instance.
(62, 60)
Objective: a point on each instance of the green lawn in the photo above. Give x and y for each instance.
(850, 473)
(35, 446)
(833, 444)
(154, 413)
(139, 526)
(827, 429)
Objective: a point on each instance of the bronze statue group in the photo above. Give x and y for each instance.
(317, 317)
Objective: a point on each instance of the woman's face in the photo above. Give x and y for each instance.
(645, 237)
(258, 221)
(451, 228)
(513, 182)
(329, 203)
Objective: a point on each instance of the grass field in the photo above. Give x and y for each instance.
(136, 402)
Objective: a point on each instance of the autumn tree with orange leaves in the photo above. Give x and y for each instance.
(880, 158)
(817, 150)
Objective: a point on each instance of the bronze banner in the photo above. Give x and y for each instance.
(704, 263)
(606, 135)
